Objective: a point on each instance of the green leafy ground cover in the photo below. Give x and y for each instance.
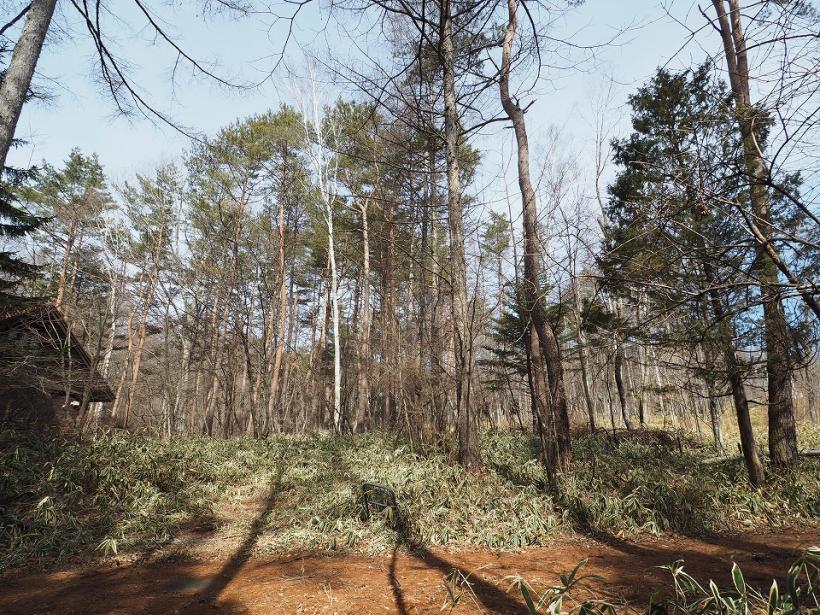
(128, 492)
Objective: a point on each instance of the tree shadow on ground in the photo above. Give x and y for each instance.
(234, 565)
(575, 499)
(395, 586)
(485, 593)
(711, 559)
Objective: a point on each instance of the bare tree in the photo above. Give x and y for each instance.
(782, 431)
(319, 126)
(551, 403)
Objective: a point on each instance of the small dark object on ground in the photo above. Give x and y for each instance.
(379, 498)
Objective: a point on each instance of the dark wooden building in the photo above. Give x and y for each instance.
(46, 376)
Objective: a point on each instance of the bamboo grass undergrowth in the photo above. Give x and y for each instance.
(127, 492)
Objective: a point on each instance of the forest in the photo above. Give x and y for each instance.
(396, 276)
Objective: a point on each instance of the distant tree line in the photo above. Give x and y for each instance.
(334, 266)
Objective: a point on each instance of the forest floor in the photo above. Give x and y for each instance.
(132, 524)
(232, 580)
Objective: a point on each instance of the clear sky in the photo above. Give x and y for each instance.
(81, 115)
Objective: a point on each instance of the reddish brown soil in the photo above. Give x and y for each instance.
(399, 582)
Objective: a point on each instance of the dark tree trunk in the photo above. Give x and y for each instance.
(782, 431)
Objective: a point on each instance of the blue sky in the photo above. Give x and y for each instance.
(81, 115)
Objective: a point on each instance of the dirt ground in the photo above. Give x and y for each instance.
(398, 582)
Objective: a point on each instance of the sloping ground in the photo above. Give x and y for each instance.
(124, 494)
(396, 582)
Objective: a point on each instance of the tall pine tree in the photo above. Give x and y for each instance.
(15, 224)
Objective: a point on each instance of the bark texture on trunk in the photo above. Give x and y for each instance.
(741, 402)
(553, 414)
(20, 71)
(469, 454)
(782, 431)
(363, 350)
(737, 61)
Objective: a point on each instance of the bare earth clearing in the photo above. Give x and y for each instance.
(232, 581)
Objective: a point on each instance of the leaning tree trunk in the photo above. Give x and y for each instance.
(469, 454)
(737, 61)
(782, 430)
(17, 80)
(555, 418)
(735, 377)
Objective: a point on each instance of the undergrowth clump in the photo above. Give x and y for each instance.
(60, 496)
(126, 491)
(800, 593)
(443, 504)
(639, 486)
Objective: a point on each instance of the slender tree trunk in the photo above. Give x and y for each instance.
(321, 399)
(265, 371)
(388, 313)
(469, 453)
(69, 248)
(20, 71)
(735, 378)
(439, 334)
(609, 398)
(555, 418)
(782, 430)
(273, 398)
(811, 394)
(181, 394)
(129, 330)
(582, 356)
(219, 334)
(212, 345)
(142, 333)
(656, 371)
(363, 350)
(425, 256)
(289, 423)
(643, 413)
(95, 411)
(619, 382)
(714, 413)
(744, 421)
(337, 343)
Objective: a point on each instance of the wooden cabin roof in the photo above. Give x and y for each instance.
(38, 349)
